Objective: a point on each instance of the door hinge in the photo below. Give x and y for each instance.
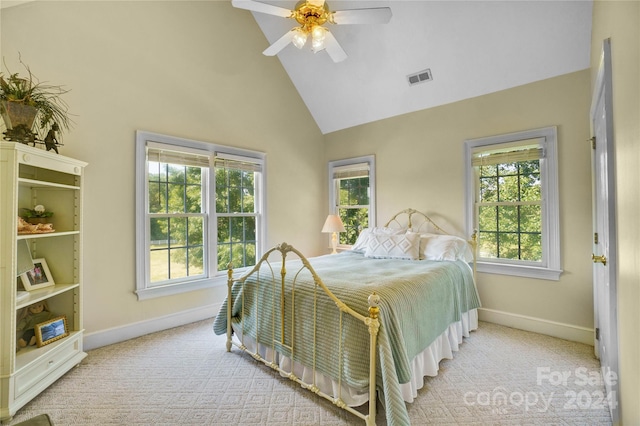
(595, 238)
(593, 142)
(597, 333)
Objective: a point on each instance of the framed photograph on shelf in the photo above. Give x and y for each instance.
(50, 331)
(38, 277)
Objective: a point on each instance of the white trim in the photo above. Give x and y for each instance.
(519, 270)
(561, 330)
(551, 266)
(130, 331)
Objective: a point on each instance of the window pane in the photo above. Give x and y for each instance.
(488, 189)
(508, 188)
(196, 231)
(177, 231)
(235, 177)
(237, 229)
(235, 200)
(354, 220)
(222, 199)
(224, 226)
(531, 219)
(178, 267)
(175, 173)
(488, 244)
(194, 175)
(250, 229)
(176, 198)
(196, 261)
(508, 218)
(488, 218)
(157, 197)
(250, 254)
(508, 247)
(193, 199)
(159, 265)
(507, 169)
(159, 230)
(531, 247)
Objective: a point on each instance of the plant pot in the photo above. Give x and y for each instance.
(18, 118)
(16, 114)
(37, 220)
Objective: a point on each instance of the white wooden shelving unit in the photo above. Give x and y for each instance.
(31, 176)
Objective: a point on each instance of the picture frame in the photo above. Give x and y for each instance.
(50, 331)
(37, 277)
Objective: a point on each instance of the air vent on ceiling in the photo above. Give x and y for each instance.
(420, 77)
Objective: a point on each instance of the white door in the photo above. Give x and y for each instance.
(604, 233)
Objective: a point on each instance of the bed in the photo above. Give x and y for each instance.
(364, 325)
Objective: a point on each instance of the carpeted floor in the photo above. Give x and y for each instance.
(184, 376)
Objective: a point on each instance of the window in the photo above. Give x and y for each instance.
(352, 195)
(512, 203)
(199, 208)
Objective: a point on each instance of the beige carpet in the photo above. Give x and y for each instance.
(184, 376)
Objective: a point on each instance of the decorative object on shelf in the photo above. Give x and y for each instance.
(334, 225)
(51, 330)
(25, 99)
(38, 277)
(38, 214)
(26, 321)
(25, 228)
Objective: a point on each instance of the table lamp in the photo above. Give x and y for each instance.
(334, 225)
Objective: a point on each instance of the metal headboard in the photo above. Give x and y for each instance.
(405, 219)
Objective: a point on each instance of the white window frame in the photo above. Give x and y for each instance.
(550, 267)
(370, 160)
(212, 276)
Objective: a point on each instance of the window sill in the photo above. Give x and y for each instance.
(173, 289)
(520, 271)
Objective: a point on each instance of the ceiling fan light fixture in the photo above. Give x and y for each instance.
(300, 38)
(318, 32)
(317, 45)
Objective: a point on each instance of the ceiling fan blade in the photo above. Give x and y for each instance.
(376, 15)
(256, 6)
(333, 48)
(280, 44)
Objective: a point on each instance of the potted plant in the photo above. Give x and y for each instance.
(23, 99)
(38, 214)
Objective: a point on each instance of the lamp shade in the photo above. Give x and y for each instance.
(333, 224)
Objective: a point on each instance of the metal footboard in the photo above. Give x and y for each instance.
(273, 296)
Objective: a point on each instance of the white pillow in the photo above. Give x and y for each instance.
(361, 241)
(403, 246)
(444, 247)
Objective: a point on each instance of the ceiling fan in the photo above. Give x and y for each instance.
(312, 15)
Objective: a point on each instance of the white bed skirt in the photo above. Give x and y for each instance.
(424, 364)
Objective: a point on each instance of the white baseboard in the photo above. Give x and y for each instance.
(130, 331)
(538, 325)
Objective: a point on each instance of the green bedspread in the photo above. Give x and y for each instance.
(419, 300)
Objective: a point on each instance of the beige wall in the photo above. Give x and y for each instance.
(177, 68)
(620, 21)
(419, 164)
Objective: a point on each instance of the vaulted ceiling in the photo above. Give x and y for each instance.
(472, 48)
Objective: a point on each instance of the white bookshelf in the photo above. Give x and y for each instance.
(31, 176)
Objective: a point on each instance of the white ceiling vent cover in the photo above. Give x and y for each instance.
(420, 77)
